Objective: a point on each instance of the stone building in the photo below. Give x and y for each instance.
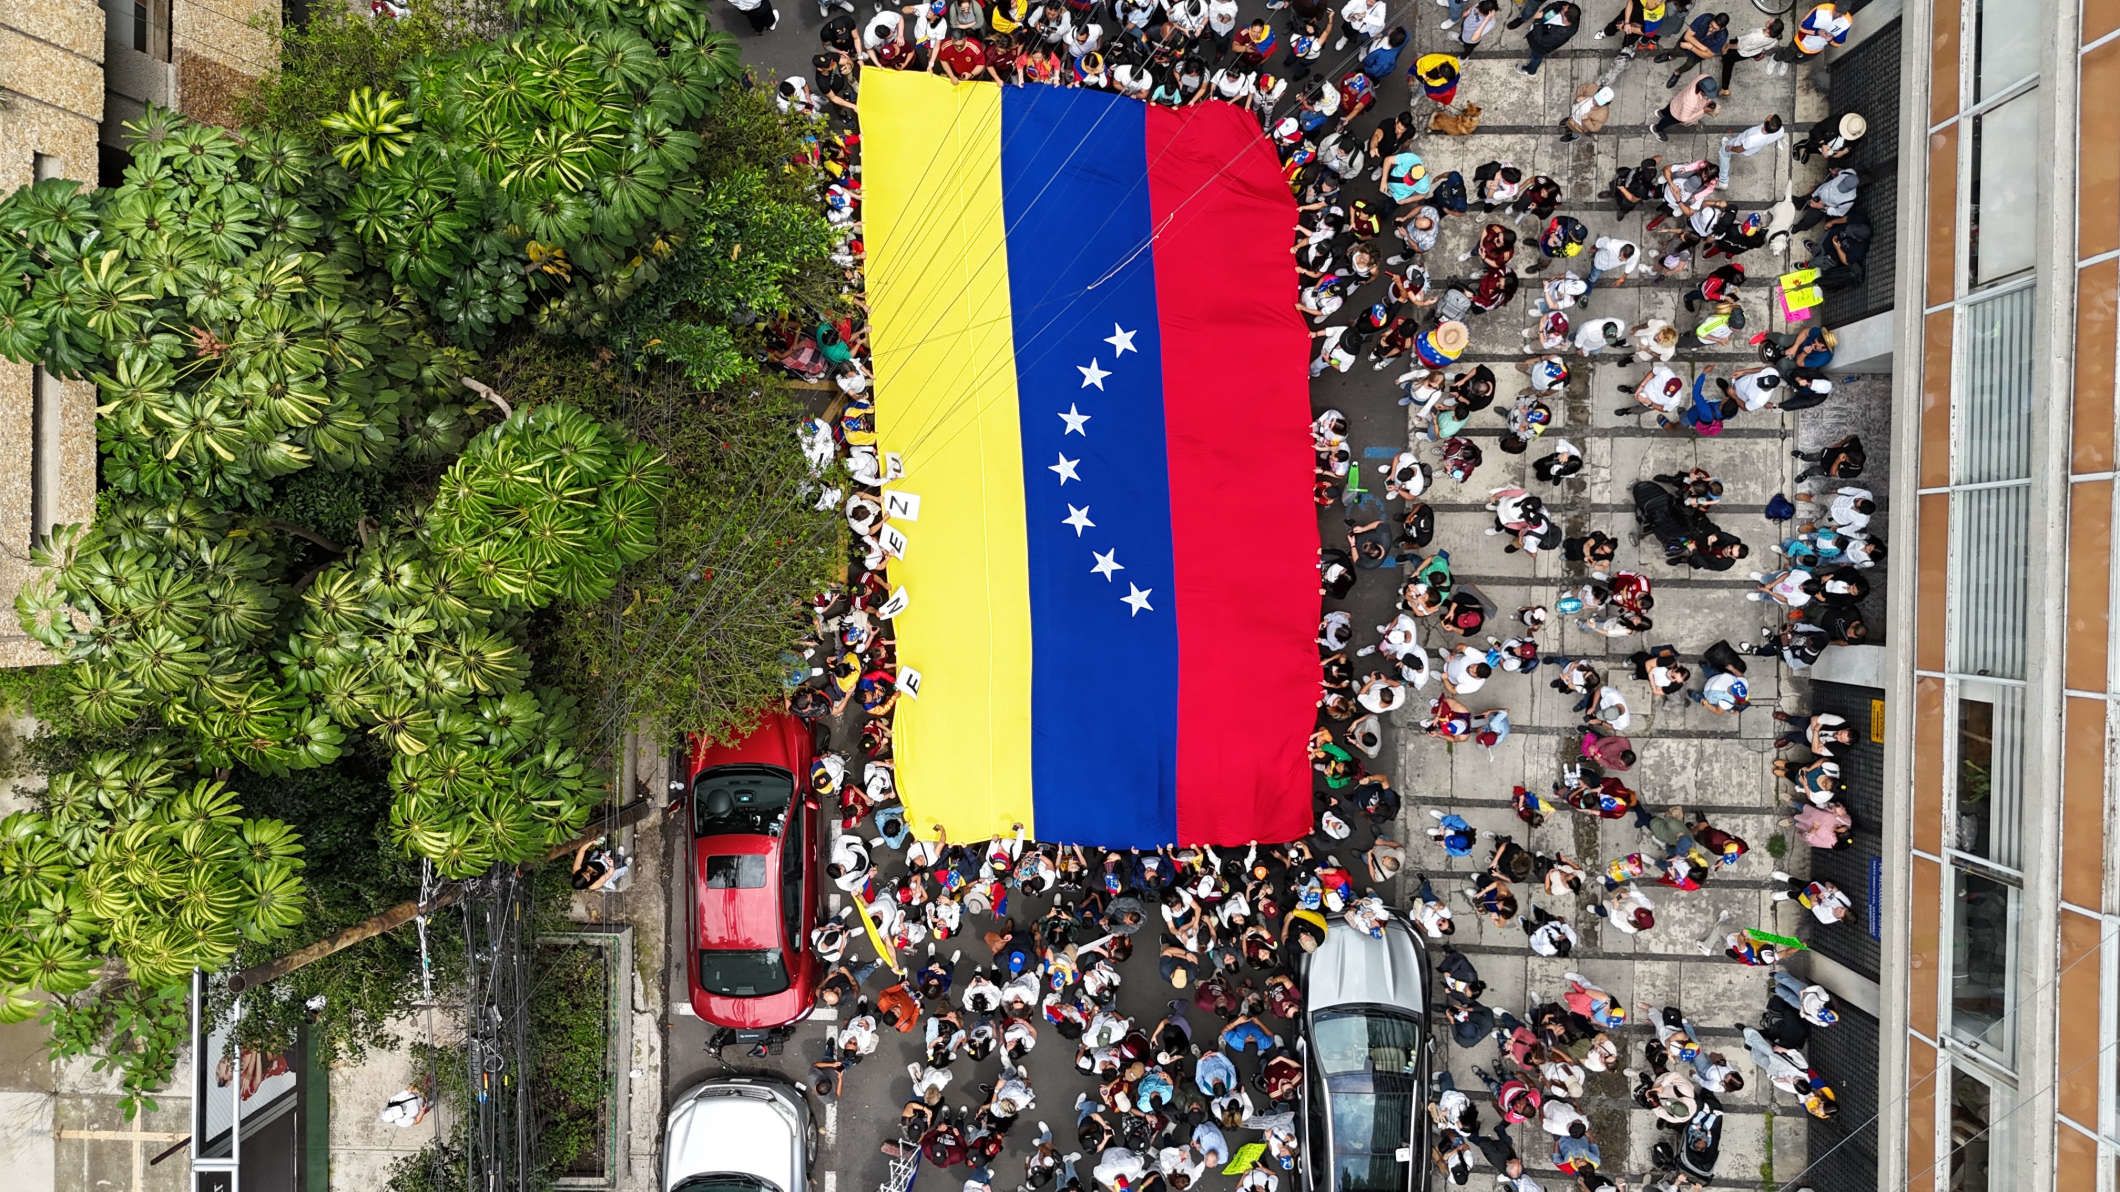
(71, 73)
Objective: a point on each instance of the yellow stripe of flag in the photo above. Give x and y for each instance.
(934, 224)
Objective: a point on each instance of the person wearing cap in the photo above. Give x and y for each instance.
(1812, 1002)
(1830, 199)
(1628, 909)
(1405, 178)
(1704, 41)
(1831, 138)
(1694, 102)
(1593, 106)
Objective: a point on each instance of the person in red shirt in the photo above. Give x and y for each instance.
(961, 58)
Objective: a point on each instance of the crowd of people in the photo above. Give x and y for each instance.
(1002, 943)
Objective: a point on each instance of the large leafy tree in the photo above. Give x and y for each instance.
(223, 315)
(136, 857)
(168, 615)
(307, 296)
(551, 167)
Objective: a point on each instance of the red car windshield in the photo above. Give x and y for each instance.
(741, 973)
(741, 801)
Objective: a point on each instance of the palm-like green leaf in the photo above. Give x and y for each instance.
(104, 694)
(375, 128)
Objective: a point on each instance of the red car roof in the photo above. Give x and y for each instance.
(736, 917)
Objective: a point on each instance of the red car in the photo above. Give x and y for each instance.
(755, 880)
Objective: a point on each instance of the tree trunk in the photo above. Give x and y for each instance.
(405, 912)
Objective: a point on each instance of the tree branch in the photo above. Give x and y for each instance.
(306, 535)
(490, 394)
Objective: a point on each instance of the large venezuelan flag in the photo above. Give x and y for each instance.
(1087, 351)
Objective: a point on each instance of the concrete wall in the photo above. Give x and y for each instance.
(51, 104)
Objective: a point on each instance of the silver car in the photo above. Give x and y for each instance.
(1367, 1061)
(739, 1134)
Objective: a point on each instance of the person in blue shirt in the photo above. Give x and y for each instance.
(1574, 1155)
(1703, 41)
(1214, 1073)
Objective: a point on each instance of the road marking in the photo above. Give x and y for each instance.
(831, 1180)
(831, 1131)
(825, 1014)
(685, 1009)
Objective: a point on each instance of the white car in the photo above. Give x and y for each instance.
(1368, 1056)
(739, 1134)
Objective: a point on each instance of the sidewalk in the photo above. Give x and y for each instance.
(1688, 756)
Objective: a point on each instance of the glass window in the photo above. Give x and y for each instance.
(1989, 772)
(2006, 50)
(1987, 529)
(1993, 410)
(1983, 957)
(734, 872)
(1972, 1123)
(733, 972)
(741, 800)
(2003, 198)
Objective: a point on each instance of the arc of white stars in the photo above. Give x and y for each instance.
(1092, 374)
(1136, 598)
(1107, 563)
(1078, 518)
(1075, 420)
(1121, 340)
(1065, 469)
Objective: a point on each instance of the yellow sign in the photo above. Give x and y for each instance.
(1877, 720)
(1246, 1158)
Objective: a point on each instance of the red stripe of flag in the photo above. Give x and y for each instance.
(1244, 532)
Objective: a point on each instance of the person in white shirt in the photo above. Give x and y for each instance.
(1662, 391)
(1118, 1164)
(1849, 509)
(1754, 388)
(1363, 19)
(1395, 637)
(1751, 141)
(1615, 258)
(1596, 335)
(1559, 1118)
(1222, 22)
(1381, 694)
(1513, 1179)
(1756, 46)
(1465, 670)
(1628, 909)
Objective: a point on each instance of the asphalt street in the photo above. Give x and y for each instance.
(1695, 759)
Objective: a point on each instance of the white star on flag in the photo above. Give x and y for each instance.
(1078, 518)
(1137, 599)
(1065, 469)
(1107, 562)
(1091, 374)
(1121, 340)
(1074, 419)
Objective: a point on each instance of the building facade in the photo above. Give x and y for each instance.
(1999, 989)
(72, 72)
